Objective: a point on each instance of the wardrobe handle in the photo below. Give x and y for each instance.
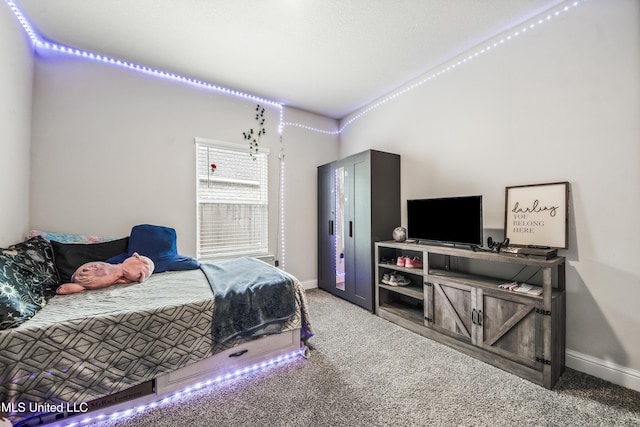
(474, 316)
(330, 227)
(350, 228)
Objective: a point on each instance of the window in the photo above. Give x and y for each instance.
(232, 200)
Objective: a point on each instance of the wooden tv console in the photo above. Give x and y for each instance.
(455, 299)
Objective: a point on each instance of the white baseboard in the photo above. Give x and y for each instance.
(608, 371)
(309, 284)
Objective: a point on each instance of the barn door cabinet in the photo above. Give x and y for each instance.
(358, 204)
(463, 306)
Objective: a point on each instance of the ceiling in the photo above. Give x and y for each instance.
(329, 57)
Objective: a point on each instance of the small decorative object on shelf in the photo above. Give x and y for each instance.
(213, 167)
(400, 234)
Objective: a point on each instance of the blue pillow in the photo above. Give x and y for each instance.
(158, 243)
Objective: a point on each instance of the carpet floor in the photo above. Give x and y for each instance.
(366, 371)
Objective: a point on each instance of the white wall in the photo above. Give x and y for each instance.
(560, 103)
(305, 150)
(113, 148)
(16, 77)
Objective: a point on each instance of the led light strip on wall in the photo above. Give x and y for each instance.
(281, 213)
(152, 71)
(480, 49)
(40, 43)
(477, 51)
(23, 21)
(327, 132)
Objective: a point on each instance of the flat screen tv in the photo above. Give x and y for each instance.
(449, 220)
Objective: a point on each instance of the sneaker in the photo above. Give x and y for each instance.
(414, 262)
(393, 281)
(398, 280)
(385, 279)
(401, 261)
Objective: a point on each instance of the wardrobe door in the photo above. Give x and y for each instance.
(361, 245)
(326, 228)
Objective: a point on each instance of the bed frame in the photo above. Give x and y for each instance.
(229, 364)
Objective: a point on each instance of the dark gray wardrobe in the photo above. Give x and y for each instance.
(358, 204)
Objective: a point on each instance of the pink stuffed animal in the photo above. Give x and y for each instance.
(97, 275)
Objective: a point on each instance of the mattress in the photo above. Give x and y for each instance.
(88, 345)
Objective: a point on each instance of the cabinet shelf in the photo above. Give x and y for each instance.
(462, 305)
(412, 291)
(411, 314)
(485, 282)
(502, 257)
(402, 269)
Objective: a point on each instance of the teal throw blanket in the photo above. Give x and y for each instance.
(251, 298)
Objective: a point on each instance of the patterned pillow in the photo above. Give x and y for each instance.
(17, 303)
(33, 263)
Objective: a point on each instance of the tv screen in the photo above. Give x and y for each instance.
(453, 220)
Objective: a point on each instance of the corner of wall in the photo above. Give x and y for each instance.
(16, 85)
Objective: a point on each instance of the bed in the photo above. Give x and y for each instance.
(158, 335)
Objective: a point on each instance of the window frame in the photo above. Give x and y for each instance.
(260, 250)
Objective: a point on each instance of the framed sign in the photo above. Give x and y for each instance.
(536, 215)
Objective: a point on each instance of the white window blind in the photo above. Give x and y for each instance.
(232, 201)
